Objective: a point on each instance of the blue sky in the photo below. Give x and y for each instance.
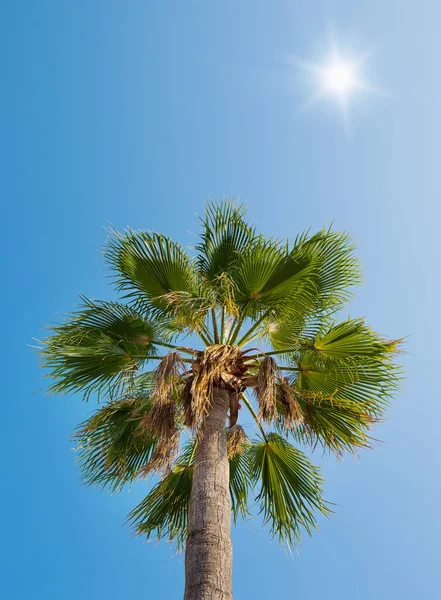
(134, 113)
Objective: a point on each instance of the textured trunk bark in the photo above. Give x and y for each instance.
(208, 554)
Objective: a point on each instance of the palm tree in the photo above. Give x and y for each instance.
(260, 315)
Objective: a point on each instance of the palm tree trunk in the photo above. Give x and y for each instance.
(208, 554)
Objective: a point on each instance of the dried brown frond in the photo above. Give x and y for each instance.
(186, 399)
(170, 366)
(265, 390)
(249, 381)
(161, 419)
(162, 458)
(292, 413)
(216, 365)
(236, 441)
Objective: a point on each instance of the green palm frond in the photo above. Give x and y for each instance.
(338, 267)
(290, 487)
(348, 362)
(332, 271)
(352, 338)
(155, 272)
(313, 276)
(300, 286)
(164, 511)
(289, 328)
(369, 383)
(111, 446)
(103, 344)
(336, 425)
(225, 235)
(269, 276)
(240, 483)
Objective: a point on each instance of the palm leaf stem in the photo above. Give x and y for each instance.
(187, 360)
(215, 328)
(235, 331)
(193, 452)
(237, 326)
(272, 353)
(222, 331)
(252, 411)
(204, 334)
(185, 349)
(253, 337)
(230, 328)
(280, 367)
(248, 335)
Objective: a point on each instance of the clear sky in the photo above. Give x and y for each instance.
(135, 112)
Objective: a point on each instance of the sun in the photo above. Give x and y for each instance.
(337, 77)
(340, 78)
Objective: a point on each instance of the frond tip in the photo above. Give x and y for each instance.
(164, 511)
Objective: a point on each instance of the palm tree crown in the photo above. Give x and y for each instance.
(264, 313)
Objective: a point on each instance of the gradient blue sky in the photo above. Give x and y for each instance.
(135, 112)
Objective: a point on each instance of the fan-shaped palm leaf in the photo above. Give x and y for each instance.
(225, 235)
(103, 343)
(240, 482)
(290, 487)
(156, 272)
(336, 425)
(269, 276)
(352, 338)
(338, 267)
(299, 286)
(164, 511)
(348, 362)
(111, 446)
(286, 331)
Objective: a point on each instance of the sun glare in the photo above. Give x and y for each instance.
(337, 77)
